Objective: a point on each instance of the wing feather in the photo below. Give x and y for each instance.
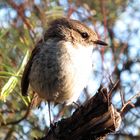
(25, 76)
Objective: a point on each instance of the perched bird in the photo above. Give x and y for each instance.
(60, 63)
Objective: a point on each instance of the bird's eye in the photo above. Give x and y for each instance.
(84, 35)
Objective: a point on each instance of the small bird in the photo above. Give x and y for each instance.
(61, 63)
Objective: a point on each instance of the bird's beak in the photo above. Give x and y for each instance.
(99, 42)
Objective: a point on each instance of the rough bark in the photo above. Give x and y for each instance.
(92, 121)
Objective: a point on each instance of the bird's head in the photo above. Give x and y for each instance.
(73, 31)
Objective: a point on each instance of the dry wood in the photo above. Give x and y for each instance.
(92, 121)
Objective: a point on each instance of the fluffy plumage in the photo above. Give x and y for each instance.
(60, 64)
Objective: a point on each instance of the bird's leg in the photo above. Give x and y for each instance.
(51, 124)
(49, 109)
(76, 105)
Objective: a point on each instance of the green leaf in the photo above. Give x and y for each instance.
(13, 80)
(8, 87)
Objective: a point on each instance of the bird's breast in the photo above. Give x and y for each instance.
(61, 71)
(82, 65)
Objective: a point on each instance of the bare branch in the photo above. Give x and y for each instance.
(95, 119)
(129, 102)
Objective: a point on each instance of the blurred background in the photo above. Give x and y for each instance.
(22, 23)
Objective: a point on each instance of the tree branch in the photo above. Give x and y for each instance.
(95, 119)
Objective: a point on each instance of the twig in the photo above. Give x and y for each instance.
(20, 11)
(129, 102)
(8, 135)
(113, 87)
(21, 119)
(122, 98)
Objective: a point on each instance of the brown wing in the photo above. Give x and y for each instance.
(25, 76)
